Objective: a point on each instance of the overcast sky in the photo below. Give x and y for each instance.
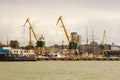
(98, 15)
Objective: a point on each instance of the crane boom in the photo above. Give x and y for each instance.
(104, 35)
(73, 45)
(60, 19)
(30, 29)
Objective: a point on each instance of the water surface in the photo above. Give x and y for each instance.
(60, 70)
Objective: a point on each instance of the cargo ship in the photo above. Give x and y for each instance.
(17, 54)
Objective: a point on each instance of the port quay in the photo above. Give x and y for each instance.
(74, 51)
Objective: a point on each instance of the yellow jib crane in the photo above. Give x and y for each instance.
(60, 19)
(103, 40)
(72, 45)
(31, 30)
(102, 44)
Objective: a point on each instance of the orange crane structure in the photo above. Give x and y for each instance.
(60, 19)
(73, 44)
(40, 41)
(31, 30)
(102, 45)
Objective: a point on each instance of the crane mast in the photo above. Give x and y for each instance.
(60, 19)
(102, 45)
(103, 40)
(30, 30)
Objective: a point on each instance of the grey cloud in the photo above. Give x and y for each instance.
(77, 14)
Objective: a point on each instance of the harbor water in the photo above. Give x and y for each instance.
(60, 70)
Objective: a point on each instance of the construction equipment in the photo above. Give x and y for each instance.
(40, 42)
(31, 30)
(40, 48)
(40, 45)
(73, 44)
(103, 40)
(102, 45)
(60, 19)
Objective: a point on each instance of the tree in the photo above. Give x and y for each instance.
(14, 43)
(1, 44)
(56, 46)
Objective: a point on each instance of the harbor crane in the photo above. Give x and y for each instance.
(102, 45)
(60, 19)
(73, 45)
(31, 30)
(40, 41)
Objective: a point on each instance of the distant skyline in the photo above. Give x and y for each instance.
(98, 15)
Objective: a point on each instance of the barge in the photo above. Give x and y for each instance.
(10, 54)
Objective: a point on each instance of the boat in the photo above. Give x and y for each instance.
(17, 54)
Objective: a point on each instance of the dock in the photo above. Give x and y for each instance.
(79, 59)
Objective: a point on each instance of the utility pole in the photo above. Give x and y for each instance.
(93, 44)
(86, 35)
(86, 47)
(7, 40)
(62, 44)
(93, 41)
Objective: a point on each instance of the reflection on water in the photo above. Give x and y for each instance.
(60, 70)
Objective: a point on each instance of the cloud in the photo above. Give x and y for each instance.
(98, 15)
